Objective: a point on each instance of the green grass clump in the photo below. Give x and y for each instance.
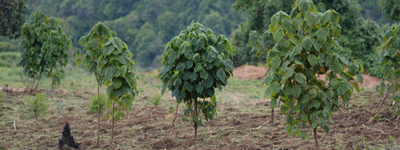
(9, 59)
(93, 107)
(38, 105)
(155, 99)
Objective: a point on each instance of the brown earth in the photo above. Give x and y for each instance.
(249, 72)
(150, 128)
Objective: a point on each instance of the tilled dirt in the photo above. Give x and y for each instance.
(233, 128)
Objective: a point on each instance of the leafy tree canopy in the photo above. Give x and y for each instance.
(46, 47)
(12, 14)
(303, 46)
(390, 9)
(195, 63)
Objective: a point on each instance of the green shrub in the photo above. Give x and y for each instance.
(155, 99)
(38, 105)
(1, 94)
(94, 106)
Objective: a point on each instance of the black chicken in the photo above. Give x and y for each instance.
(67, 138)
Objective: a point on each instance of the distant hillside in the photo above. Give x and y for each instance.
(145, 25)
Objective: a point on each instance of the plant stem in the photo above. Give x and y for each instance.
(98, 114)
(40, 76)
(176, 114)
(195, 115)
(383, 99)
(112, 132)
(272, 116)
(315, 138)
(33, 82)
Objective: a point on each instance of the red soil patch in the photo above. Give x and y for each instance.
(249, 72)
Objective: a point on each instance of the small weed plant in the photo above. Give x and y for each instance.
(94, 103)
(155, 99)
(38, 106)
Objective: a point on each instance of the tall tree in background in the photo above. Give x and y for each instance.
(390, 9)
(12, 14)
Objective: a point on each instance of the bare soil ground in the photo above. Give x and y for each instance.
(242, 122)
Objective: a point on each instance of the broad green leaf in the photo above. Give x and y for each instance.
(221, 74)
(181, 66)
(204, 74)
(126, 101)
(311, 18)
(207, 83)
(117, 43)
(344, 60)
(353, 68)
(297, 49)
(303, 135)
(336, 68)
(193, 76)
(287, 90)
(118, 115)
(303, 6)
(275, 62)
(297, 90)
(342, 89)
(188, 86)
(123, 71)
(355, 85)
(275, 87)
(289, 120)
(307, 43)
(188, 64)
(199, 88)
(322, 33)
(278, 35)
(360, 77)
(301, 78)
(314, 125)
(117, 83)
(322, 122)
(316, 104)
(273, 103)
(313, 60)
(196, 58)
(177, 83)
(108, 50)
(344, 76)
(109, 71)
(122, 60)
(313, 93)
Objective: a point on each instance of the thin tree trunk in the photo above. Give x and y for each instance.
(176, 114)
(28, 86)
(98, 114)
(33, 82)
(52, 82)
(112, 132)
(315, 138)
(195, 115)
(40, 77)
(383, 99)
(272, 116)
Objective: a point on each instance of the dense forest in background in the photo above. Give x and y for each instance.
(147, 25)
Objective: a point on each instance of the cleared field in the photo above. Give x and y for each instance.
(242, 121)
